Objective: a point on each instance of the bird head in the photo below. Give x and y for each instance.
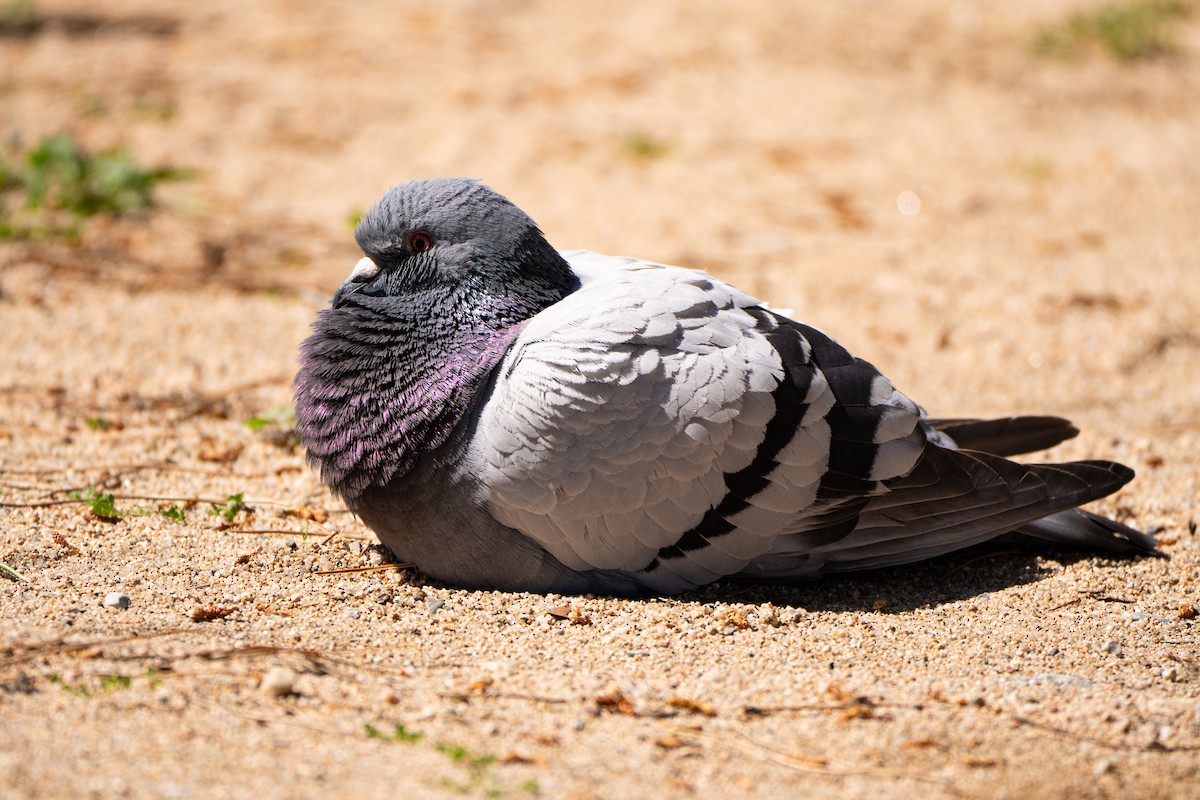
(457, 237)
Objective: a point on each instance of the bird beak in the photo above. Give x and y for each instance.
(364, 270)
(363, 273)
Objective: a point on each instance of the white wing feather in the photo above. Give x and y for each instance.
(618, 412)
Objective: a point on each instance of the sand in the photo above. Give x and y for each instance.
(1000, 232)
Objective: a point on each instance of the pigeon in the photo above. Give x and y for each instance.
(508, 416)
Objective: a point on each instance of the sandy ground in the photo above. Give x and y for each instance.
(1052, 268)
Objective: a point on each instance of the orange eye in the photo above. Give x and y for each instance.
(420, 241)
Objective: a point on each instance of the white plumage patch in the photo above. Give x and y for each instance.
(663, 385)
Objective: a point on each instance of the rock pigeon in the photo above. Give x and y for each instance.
(508, 416)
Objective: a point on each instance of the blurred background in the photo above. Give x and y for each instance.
(987, 184)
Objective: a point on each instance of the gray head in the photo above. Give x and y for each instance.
(454, 234)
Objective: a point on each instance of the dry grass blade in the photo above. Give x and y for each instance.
(17, 654)
(12, 573)
(375, 568)
(1154, 747)
(38, 503)
(816, 765)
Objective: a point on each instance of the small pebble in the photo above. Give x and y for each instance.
(278, 682)
(1169, 673)
(354, 613)
(116, 600)
(1112, 647)
(432, 605)
(1103, 767)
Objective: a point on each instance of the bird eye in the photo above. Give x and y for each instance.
(420, 241)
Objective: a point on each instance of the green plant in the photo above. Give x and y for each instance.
(60, 177)
(78, 691)
(174, 512)
(116, 682)
(642, 146)
(61, 174)
(18, 14)
(477, 767)
(275, 415)
(401, 734)
(234, 504)
(102, 504)
(107, 683)
(1128, 32)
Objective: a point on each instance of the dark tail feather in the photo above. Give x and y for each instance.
(999, 499)
(1084, 530)
(1008, 436)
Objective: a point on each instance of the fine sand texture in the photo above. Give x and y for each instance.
(1000, 231)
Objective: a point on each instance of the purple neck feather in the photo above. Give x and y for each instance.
(373, 396)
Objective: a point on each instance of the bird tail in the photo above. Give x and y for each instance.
(1083, 530)
(955, 499)
(1007, 436)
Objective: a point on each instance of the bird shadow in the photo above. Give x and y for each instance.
(928, 584)
(968, 573)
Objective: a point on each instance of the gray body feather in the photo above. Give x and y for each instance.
(507, 416)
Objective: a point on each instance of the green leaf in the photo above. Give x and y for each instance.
(1128, 32)
(276, 415)
(101, 503)
(401, 734)
(80, 691)
(405, 735)
(116, 681)
(58, 175)
(642, 146)
(234, 504)
(174, 512)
